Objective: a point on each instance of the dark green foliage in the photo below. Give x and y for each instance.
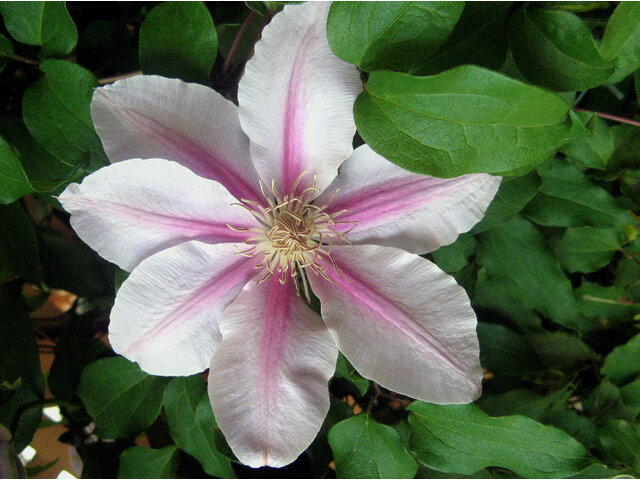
(450, 88)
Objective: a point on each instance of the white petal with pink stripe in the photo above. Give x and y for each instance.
(135, 208)
(397, 208)
(402, 322)
(167, 312)
(148, 116)
(268, 380)
(296, 100)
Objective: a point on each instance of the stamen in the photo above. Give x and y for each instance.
(237, 229)
(295, 234)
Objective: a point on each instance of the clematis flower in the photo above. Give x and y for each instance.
(228, 217)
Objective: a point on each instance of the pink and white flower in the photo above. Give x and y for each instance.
(224, 213)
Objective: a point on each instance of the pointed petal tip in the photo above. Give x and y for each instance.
(268, 382)
(421, 343)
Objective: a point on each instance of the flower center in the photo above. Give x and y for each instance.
(294, 234)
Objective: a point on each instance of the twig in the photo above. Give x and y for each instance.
(375, 397)
(22, 59)
(102, 81)
(236, 43)
(608, 116)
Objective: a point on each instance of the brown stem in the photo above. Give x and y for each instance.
(22, 59)
(375, 397)
(608, 116)
(236, 43)
(102, 81)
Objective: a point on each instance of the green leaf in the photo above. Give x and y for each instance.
(267, 8)
(630, 185)
(390, 35)
(462, 439)
(454, 257)
(465, 120)
(479, 38)
(119, 277)
(41, 23)
(76, 348)
(140, 462)
(626, 139)
(630, 396)
(621, 40)
(56, 110)
(347, 371)
(227, 33)
(178, 39)
(364, 448)
(576, 6)
(628, 270)
(73, 266)
(19, 367)
(567, 198)
(578, 426)
(515, 255)
(467, 278)
(6, 51)
(504, 352)
(623, 362)
(512, 197)
(621, 439)
(319, 451)
(560, 350)
(605, 401)
(6, 47)
(587, 249)
(18, 245)
(595, 150)
(524, 402)
(14, 181)
(555, 49)
(193, 426)
(44, 171)
(607, 305)
(122, 399)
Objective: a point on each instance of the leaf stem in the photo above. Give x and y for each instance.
(608, 116)
(375, 397)
(102, 81)
(22, 59)
(236, 43)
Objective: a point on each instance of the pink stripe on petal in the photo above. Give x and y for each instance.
(148, 116)
(402, 322)
(389, 313)
(293, 149)
(296, 100)
(193, 155)
(166, 314)
(186, 227)
(268, 380)
(135, 208)
(394, 207)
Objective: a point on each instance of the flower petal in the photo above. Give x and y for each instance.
(167, 312)
(132, 209)
(268, 380)
(397, 208)
(148, 116)
(296, 99)
(402, 322)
